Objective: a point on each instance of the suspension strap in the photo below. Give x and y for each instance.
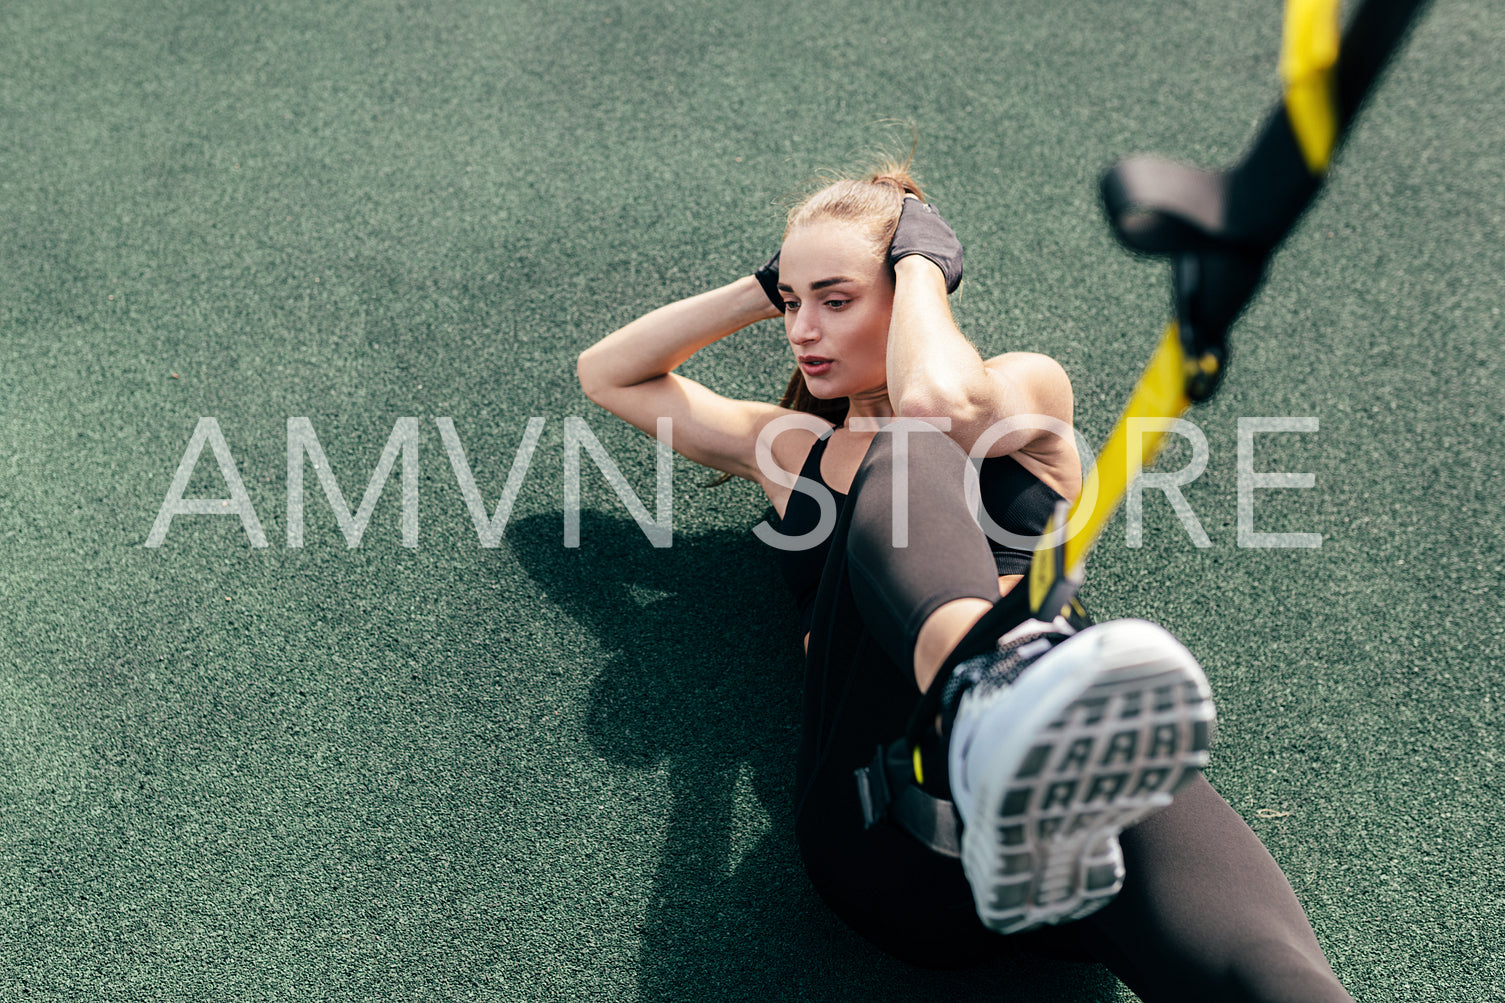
(1219, 230)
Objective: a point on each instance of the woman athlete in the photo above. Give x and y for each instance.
(1061, 744)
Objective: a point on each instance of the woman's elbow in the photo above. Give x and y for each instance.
(937, 407)
(588, 372)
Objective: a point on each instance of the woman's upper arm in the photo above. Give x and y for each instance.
(712, 430)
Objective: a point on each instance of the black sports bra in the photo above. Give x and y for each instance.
(1014, 498)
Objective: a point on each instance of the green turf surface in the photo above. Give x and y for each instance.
(536, 772)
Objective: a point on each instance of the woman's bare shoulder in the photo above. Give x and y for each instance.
(1032, 366)
(1037, 386)
(1034, 383)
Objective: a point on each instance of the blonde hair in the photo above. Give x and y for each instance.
(872, 201)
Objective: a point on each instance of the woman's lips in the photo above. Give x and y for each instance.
(814, 365)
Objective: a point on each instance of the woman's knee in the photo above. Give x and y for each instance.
(909, 467)
(903, 445)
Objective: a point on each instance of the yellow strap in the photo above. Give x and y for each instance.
(1042, 569)
(919, 771)
(1308, 54)
(1160, 393)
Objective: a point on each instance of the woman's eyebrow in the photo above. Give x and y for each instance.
(817, 286)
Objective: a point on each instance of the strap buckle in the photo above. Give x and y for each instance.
(872, 790)
(888, 792)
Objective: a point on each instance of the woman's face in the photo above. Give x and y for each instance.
(838, 297)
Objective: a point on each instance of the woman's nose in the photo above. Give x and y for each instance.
(802, 331)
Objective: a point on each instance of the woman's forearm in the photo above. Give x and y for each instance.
(932, 369)
(657, 342)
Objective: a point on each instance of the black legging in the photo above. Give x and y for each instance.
(1205, 912)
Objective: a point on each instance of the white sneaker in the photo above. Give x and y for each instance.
(1091, 735)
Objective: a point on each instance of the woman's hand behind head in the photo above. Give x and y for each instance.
(922, 231)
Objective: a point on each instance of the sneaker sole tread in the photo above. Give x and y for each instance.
(1112, 735)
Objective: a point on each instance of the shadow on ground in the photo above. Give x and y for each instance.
(704, 683)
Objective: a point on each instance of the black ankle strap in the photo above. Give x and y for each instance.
(1007, 613)
(887, 790)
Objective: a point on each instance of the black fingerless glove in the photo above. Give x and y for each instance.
(768, 278)
(922, 231)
